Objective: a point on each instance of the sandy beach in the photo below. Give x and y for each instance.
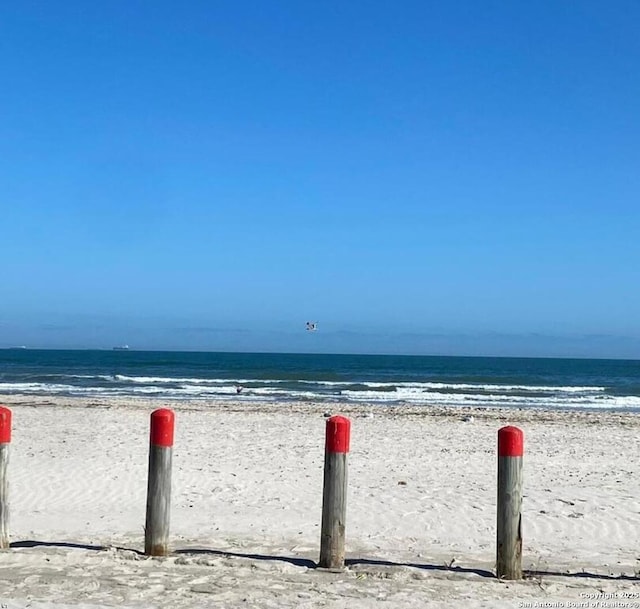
(247, 499)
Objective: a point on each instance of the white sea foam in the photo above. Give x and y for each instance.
(193, 381)
(470, 386)
(417, 397)
(463, 394)
(400, 386)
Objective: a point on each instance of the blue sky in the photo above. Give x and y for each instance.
(418, 177)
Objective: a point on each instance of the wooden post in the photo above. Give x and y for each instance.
(509, 521)
(156, 530)
(334, 495)
(5, 440)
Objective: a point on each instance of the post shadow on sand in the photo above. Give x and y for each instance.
(310, 564)
(33, 543)
(528, 574)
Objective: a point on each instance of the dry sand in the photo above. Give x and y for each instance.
(247, 498)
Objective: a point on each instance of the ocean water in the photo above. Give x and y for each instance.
(384, 380)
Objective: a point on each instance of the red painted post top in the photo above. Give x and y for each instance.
(162, 424)
(510, 442)
(338, 434)
(5, 425)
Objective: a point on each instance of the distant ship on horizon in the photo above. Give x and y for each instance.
(121, 348)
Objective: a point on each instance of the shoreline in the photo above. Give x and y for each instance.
(521, 414)
(246, 504)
